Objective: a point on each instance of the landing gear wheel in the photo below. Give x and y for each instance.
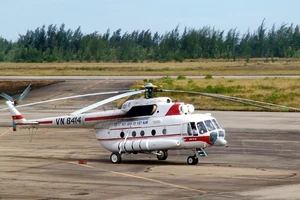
(115, 158)
(196, 160)
(192, 160)
(163, 155)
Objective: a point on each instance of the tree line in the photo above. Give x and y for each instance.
(56, 44)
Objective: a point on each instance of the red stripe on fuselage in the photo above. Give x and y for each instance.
(197, 139)
(45, 122)
(103, 118)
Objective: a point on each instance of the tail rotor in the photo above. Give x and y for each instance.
(21, 97)
(16, 102)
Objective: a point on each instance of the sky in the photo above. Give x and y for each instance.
(18, 16)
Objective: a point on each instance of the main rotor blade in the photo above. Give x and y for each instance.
(100, 103)
(250, 102)
(266, 103)
(71, 97)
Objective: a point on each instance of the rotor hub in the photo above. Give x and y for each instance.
(150, 90)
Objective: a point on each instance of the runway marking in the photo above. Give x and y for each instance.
(143, 178)
(5, 132)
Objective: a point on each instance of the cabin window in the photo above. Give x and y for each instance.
(164, 131)
(122, 134)
(153, 132)
(142, 133)
(133, 133)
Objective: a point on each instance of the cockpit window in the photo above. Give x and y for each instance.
(216, 124)
(209, 125)
(201, 127)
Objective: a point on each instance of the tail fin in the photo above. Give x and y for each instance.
(17, 117)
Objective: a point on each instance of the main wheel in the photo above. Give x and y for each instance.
(163, 155)
(192, 160)
(115, 158)
(196, 160)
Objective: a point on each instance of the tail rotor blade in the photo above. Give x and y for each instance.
(6, 96)
(22, 96)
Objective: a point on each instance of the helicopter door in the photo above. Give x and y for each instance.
(184, 129)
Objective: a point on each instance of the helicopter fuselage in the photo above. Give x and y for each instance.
(144, 125)
(141, 126)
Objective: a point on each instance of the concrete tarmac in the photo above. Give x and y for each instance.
(261, 161)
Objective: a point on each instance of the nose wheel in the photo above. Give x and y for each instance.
(192, 160)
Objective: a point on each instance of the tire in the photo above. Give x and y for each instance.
(115, 158)
(196, 160)
(192, 160)
(163, 156)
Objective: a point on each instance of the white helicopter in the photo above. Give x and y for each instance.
(146, 125)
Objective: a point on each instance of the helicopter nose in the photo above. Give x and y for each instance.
(220, 142)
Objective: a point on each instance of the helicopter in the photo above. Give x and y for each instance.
(149, 125)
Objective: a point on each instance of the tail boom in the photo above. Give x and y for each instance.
(18, 118)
